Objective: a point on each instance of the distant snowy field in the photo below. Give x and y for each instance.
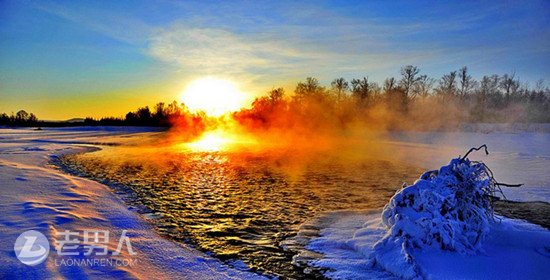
(34, 196)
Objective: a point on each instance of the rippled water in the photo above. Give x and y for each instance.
(240, 206)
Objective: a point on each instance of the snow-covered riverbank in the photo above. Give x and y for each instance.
(513, 250)
(35, 196)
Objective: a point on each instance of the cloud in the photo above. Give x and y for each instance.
(265, 43)
(213, 51)
(261, 47)
(285, 53)
(117, 26)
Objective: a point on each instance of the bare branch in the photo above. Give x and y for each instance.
(476, 149)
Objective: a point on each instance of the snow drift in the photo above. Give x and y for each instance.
(440, 227)
(448, 209)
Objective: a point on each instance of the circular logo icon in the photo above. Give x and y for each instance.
(31, 247)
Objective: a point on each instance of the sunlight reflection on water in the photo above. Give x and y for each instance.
(239, 205)
(217, 140)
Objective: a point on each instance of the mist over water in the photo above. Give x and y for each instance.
(241, 204)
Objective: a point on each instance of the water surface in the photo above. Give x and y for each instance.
(240, 205)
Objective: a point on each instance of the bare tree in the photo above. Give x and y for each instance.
(466, 82)
(362, 88)
(276, 95)
(509, 85)
(447, 85)
(489, 85)
(539, 86)
(487, 94)
(340, 86)
(409, 78)
(390, 84)
(21, 116)
(310, 87)
(423, 86)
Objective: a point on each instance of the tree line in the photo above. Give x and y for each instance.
(162, 115)
(410, 99)
(21, 118)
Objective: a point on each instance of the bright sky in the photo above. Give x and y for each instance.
(65, 59)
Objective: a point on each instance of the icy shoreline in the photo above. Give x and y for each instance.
(441, 227)
(514, 250)
(35, 196)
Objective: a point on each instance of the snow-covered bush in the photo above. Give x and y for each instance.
(448, 209)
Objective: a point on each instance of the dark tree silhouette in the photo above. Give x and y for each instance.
(447, 85)
(276, 95)
(362, 90)
(466, 82)
(409, 78)
(423, 86)
(340, 86)
(309, 88)
(389, 84)
(493, 99)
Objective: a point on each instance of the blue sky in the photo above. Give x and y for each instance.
(64, 59)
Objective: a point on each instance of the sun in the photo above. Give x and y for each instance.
(214, 96)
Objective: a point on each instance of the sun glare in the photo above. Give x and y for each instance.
(210, 141)
(214, 96)
(219, 140)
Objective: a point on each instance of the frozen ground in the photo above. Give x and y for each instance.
(513, 250)
(39, 197)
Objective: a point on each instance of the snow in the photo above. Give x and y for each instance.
(35, 196)
(447, 208)
(441, 227)
(513, 250)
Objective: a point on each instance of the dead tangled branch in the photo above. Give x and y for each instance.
(475, 149)
(495, 187)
